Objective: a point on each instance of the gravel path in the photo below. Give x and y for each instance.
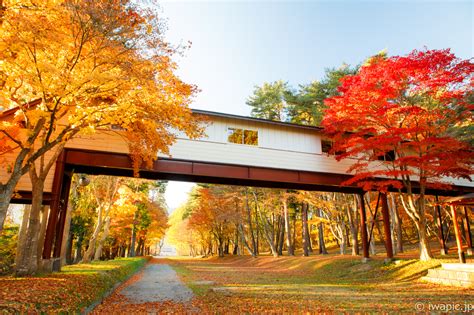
(159, 282)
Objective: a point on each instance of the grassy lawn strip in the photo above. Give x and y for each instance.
(68, 291)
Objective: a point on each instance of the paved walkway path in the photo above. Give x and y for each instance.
(158, 283)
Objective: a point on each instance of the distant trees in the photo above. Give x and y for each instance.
(227, 220)
(114, 217)
(305, 105)
(269, 101)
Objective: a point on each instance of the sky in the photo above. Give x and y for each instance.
(237, 45)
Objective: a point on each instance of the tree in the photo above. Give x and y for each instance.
(306, 106)
(213, 215)
(268, 101)
(75, 66)
(394, 118)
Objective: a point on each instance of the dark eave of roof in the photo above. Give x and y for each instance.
(253, 119)
(11, 111)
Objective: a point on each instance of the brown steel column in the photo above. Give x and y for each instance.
(467, 230)
(54, 206)
(444, 248)
(386, 226)
(457, 232)
(363, 227)
(62, 210)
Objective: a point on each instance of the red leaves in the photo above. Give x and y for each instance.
(409, 105)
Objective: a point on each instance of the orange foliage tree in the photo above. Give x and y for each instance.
(71, 66)
(136, 217)
(213, 215)
(396, 118)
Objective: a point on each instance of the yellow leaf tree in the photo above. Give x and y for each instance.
(71, 66)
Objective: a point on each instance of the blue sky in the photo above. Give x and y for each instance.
(239, 44)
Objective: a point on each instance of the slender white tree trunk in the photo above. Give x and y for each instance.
(44, 224)
(105, 234)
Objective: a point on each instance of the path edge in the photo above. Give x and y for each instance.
(94, 304)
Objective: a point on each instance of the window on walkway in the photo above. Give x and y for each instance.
(388, 156)
(242, 136)
(326, 147)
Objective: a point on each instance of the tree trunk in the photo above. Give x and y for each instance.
(245, 243)
(6, 192)
(67, 224)
(277, 231)
(416, 211)
(398, 224)
(257, 233)
(343, 237)
(322, 244)
(254, 251)
(27, 255)
(70, 239)
(131, 253)
(105, 234)
(353, 226)
(305, 229)
(43, 225)
(220, 246)
(138, 249)
(78, 256)
(425, 249)
(22, 233)
(281, 239)
(235, 250)
(7, 189)
(289, 245)
(226, 247)
(268, 235)
(92, 242)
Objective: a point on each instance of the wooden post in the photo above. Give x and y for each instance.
(457, 232)
(467, 230)
(363, 228)
(386, 226)
(54, 206)
(444, 248)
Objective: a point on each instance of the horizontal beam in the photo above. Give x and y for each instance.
(24, 197)
(94, 162)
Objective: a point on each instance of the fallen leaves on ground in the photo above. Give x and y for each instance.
(69, 291)
(316, 284)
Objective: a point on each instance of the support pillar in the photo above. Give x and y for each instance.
(54, 206)
(363, 228)
(63, 201)
(444, 248)
(467, 230)
(457, 232)
(386, 226)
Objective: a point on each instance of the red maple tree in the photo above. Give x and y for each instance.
(398, 117)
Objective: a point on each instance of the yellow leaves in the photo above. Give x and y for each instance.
(87, 63)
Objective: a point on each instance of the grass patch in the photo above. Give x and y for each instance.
(68, 291)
